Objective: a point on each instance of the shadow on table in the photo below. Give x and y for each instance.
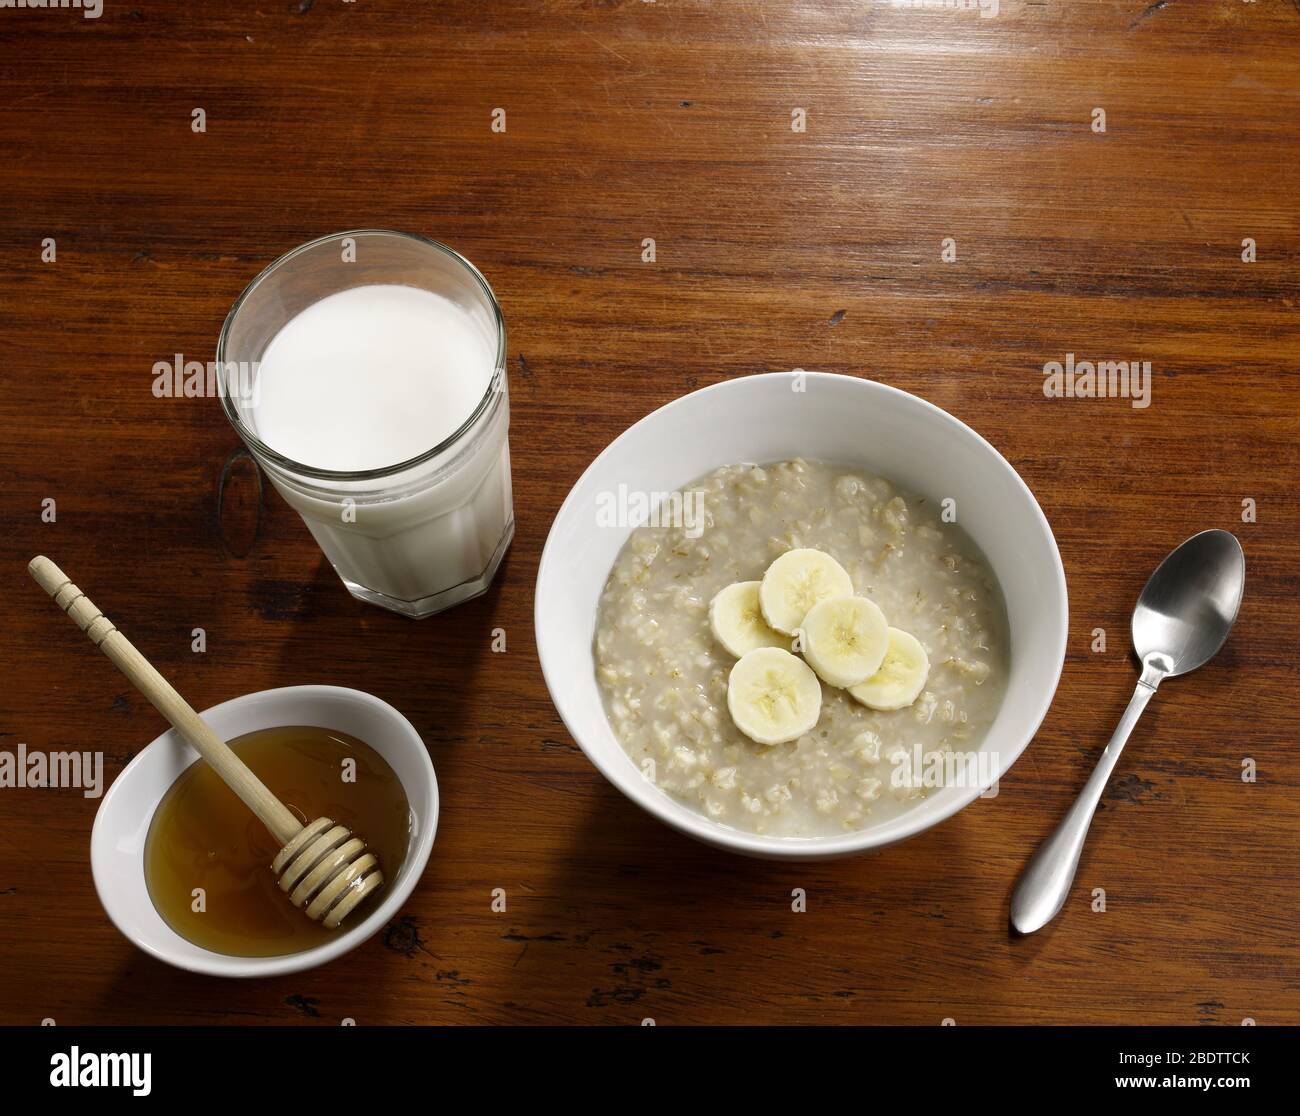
(646, 921)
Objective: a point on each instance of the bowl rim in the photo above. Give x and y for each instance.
(212, 963)
(897, 829)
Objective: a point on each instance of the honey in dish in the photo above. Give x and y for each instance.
(203, 836)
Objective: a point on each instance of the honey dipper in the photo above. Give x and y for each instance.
(321, 865)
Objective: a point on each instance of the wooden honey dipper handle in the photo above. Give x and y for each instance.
(282, 824)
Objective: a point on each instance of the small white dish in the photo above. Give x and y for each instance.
(117, 841)
(837, 419)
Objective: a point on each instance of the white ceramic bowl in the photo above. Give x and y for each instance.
(839, 419)
(122, 823)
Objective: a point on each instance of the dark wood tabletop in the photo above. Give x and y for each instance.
(1170, 236)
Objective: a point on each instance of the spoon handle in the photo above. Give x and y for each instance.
(236, 774)
(1044, 884)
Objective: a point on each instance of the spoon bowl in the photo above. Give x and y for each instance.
(1189, 604)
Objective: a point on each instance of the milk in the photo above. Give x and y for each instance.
(372, 376)
(368, 378)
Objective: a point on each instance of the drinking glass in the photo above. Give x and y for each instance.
(421, 535)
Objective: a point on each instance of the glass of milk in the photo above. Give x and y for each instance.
(366, 373)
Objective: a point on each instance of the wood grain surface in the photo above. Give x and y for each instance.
(775, 249)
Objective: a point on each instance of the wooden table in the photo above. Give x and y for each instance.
(775, 249)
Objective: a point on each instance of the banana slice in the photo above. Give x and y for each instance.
(901, 676)
(737, 621)
(795, 582)
(845, 639)
(773, 696)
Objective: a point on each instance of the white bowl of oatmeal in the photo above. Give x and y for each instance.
(930, 523)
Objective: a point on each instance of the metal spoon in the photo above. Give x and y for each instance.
(1181, 620)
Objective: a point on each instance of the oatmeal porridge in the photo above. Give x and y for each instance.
(695, 615)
